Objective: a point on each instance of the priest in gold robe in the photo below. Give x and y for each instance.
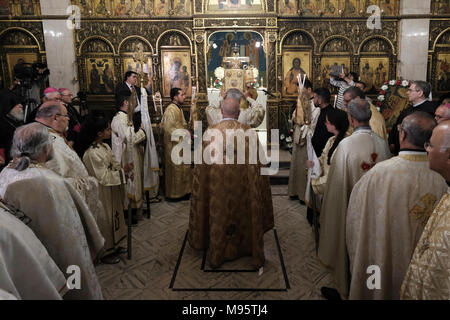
(428, 273)
(354, 156)
(66, 162)
(251, 112)
(304, 119)
(377, 122)
(388, 210)
(178, 177)
(231, 204)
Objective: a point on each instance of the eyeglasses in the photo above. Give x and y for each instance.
(410, 90)
(62, 115)
(69, 95)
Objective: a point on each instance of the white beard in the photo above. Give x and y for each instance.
(17, 115)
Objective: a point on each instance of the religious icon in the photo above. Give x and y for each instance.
(328, 64)
(234, 5)
(389, 7)
(176, 71)
(161, 7)
(100, 8)
(123, 8)
(5, 8)
(288, 7)
(295, 63)
(182, 7)
(142, 8)
(130, 64)
(374, 72)
(27, 8)
(100, 75)
(15, 58)
(443, 72)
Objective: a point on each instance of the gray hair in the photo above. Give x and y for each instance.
(424, 86)
(233, 93)
(359, 109)
(29, 142)
(48, 110)
(418, 127)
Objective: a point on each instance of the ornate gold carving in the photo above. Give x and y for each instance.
(271, 22)
(199, 37)
(272, 36)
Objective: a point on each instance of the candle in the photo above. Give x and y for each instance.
(262, 84)
(145, 68)
(335, 100)
(154, 103)
(160, 104)
(304, 79)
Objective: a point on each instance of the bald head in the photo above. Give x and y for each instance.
(442, 113)
(439, 150)
(54, 115)
(416, 129)
(230, 108)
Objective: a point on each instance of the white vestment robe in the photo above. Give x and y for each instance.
(428, 275)
(387, 211)
(26, 270)
(120, 145)
(60, 219)
(68, 164)
(101, 164)
(298, 173)
(353, 157)
(252, 116)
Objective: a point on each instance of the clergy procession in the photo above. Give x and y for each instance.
(74, 188)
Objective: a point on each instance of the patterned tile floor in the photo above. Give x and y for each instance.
(156, 247)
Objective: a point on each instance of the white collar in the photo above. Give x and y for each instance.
(225, 119)
(412, 152)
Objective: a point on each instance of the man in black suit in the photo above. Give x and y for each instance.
(418, 94)
(129, 87)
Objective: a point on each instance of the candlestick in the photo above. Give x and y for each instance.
(154, 103)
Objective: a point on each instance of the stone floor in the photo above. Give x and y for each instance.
(156, 249)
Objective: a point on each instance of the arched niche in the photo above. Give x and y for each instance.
(440, 64)
(296, 50)
(97, 66)
(336, 54)
(177, 63)
(17, 45)
(136, 54)
(250, 44)
(376, 63)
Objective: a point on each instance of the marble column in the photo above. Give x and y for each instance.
(59, 45)
(413, 40)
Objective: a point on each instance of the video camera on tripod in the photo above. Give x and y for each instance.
(29, 80)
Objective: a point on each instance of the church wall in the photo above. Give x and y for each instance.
(59, 41)
(320, 31)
